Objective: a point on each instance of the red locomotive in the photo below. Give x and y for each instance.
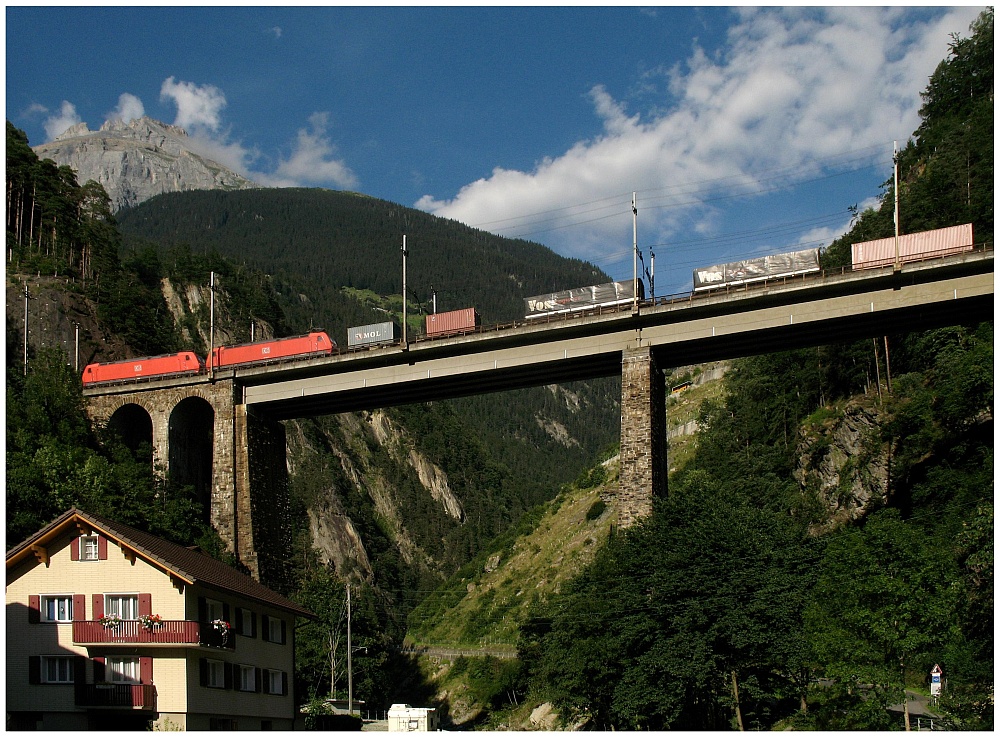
(184, 363)
(313, 344)
(187, 363)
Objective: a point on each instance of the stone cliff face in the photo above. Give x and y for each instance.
(843, 461)
(138, 160)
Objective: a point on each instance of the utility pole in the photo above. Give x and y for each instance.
(211, 327)
(76, 364)
(350, 672)
(404, 348)
(652, 274)
(635, 256)
(27, 296)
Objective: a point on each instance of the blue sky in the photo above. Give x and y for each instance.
(742, 131)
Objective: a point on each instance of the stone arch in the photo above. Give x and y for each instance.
(191, 433)
(133, 423)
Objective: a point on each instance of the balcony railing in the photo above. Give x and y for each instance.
(118, 696)
(167, 632)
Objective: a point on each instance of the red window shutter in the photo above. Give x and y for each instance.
(79, 607)
(238, 622)
(203, 671)
(266, 682)
(146, 671)
(98, 606)
(102, 547)
(257, 679)
(145, 604)
(227, 674)
(74, 549)
(265, 630)
(253, 624)
(284, 683)
(284, 633)
(99, 668)
(34, 609)
(34, 669)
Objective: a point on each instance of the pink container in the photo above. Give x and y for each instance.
(912, 247)
(450, 323)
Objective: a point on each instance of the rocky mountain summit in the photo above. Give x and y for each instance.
(138, 160)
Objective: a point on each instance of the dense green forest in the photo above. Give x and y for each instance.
(728, 608)
(334, 246)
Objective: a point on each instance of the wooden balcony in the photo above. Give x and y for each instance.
(171, 633)
(117, 696)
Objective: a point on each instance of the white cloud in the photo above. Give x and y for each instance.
(276, 30)
(56, 125)
(197, 106)
(791, 87)
(312, 161)
(129, 108)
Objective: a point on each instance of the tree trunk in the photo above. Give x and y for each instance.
(736, 696)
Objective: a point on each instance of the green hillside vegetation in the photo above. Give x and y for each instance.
(723, 609)
(726, 609)
(337, 246)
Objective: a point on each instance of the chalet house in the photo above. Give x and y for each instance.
(109, 627)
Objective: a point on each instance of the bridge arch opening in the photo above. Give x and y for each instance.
(132, 426)
(191, 431)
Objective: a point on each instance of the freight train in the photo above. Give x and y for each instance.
(582, 300)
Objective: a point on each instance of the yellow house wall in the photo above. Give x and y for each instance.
(116, 575)
(175, 670)
(253, 651)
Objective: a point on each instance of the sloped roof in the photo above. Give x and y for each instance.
(191, 566)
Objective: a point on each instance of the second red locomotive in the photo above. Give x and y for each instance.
(313, 344)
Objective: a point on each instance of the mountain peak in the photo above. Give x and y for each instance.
(138, 159)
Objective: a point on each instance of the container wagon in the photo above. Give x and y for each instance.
(452, 323)
(379, 333)
(184, 363)
(776, 266)
(618, 293)
(912, 247)
(303, 346)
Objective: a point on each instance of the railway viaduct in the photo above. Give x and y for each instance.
(223, 433)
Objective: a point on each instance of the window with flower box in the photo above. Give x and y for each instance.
(126, 606)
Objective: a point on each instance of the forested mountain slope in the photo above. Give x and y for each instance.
(831, 539)
(331, 243)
